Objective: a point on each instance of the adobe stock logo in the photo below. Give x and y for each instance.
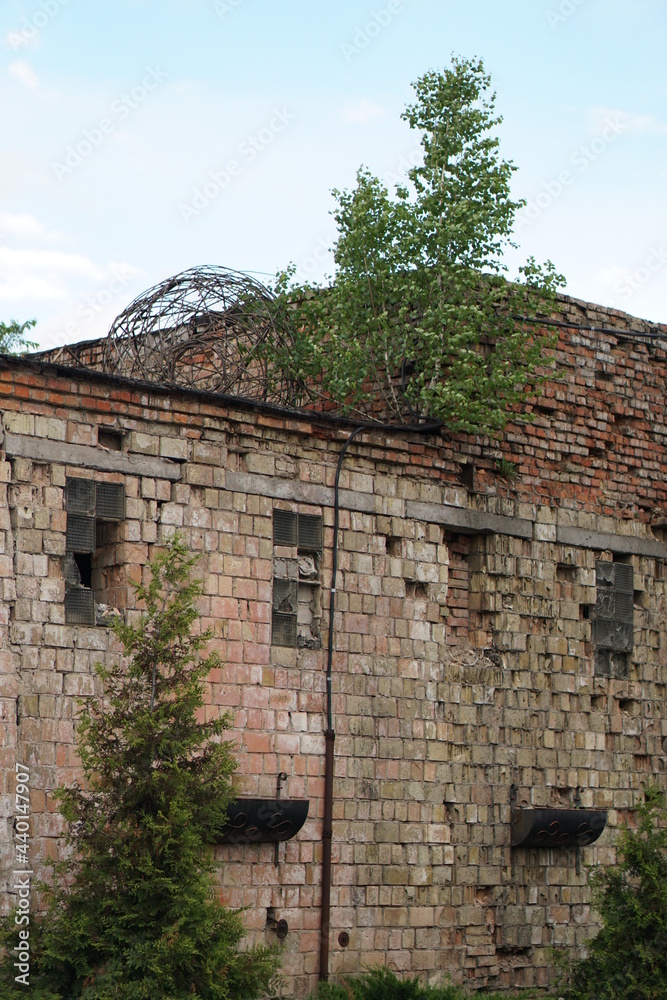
(224, 7)
(365, 33)
(247, 151)
(565, 9)
(31, 26)
(581, 159)
(121, 109)
(633, 281)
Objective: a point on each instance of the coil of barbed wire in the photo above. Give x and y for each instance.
(208, 328)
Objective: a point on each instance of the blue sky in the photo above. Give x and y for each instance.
(143, 137)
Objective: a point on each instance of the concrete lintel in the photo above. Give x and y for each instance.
(88, 457)
(606, 541)
(469, 522)
(290, 489)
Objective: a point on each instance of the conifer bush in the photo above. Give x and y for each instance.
(132, 913)
(628, 958)
(380, 983)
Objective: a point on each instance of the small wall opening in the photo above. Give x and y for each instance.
(107, 575)
(458, 588)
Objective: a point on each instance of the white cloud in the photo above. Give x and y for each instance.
(22, 71)
(635, 124)
(43, 274)
(644, 124)
(72, 297)
(362, 111)
(27, 227)
(89, 312)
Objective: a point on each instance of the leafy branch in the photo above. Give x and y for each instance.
(420, 321)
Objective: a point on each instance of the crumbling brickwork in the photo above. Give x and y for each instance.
(464, 674)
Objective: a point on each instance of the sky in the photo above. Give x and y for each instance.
(139, 138)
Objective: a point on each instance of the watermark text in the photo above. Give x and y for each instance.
(22, 874)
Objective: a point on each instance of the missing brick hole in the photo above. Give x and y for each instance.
(417, 591)
(393, 546)
(111, 439)
(566, 573)
(467, 475)
(84, 564)
(237, 460)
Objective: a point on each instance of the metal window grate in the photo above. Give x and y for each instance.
(285, 596)
(284, 527)
(80, 533)
(283, 629)
(110, 504)
(623, 578)
(613, 635)
(80, 496)
(79, 606)
(625, 607)
(310, 532)
(614, 611)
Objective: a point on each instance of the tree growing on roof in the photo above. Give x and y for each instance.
(420, 321)
(132, 914)
(13, 338)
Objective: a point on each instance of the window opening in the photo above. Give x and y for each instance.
(84, 565)
(93, 510)
(113, 440)
(297, 601)
(613, 618)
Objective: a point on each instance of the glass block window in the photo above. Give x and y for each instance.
(79, 606)
(296, 613)
(310, 532)
(284, 527)
(613, 618)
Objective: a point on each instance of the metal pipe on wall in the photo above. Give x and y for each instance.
(330, 738)
(330, 735)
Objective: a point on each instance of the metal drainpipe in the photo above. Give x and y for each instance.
(330, 735)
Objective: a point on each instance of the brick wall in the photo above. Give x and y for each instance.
(464, 663)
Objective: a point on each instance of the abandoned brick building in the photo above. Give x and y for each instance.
(499, 645)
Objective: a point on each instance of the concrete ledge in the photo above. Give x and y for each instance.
(288, 489)
(469, 522)
(88, 457)
(606, 541)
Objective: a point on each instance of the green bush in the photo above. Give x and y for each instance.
(628, 958)
(381, 984)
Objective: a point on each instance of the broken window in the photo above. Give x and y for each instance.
(91, 508)
(613, 618)
(297, 602)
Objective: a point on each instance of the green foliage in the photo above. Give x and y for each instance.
(13, 337)
(506, 468)
(419, 322)
(628, 958)
(133, 915)
(381, 984)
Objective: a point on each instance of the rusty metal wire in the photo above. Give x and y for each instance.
(207, 328)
